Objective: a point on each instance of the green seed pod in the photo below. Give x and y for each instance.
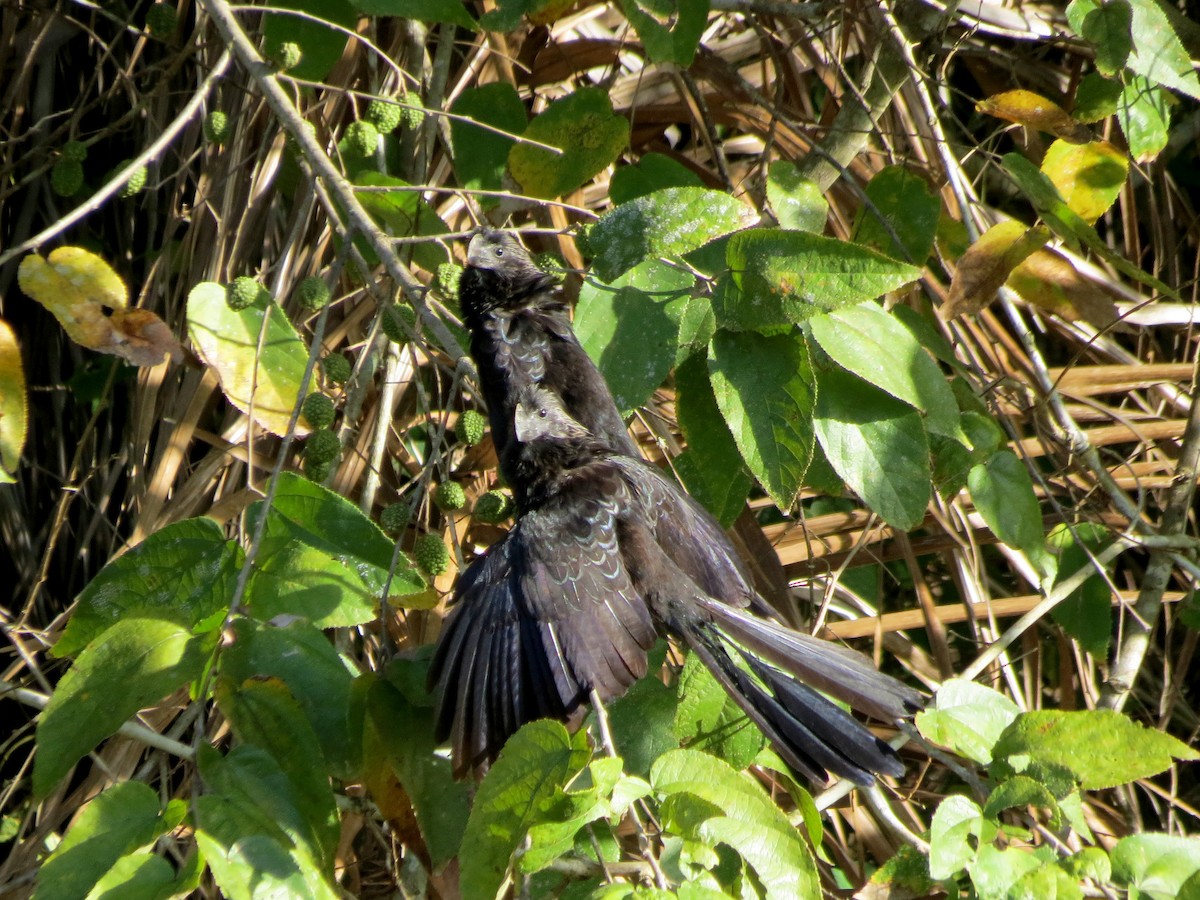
(414, 110)
(583, 242)
(137, 181)
(66, 178)
(216, 127)
(394, 518)
(318, 411)
(322, 447)
(316, 471)
(161, 19)
(384, 115)
(243, 292)
(470, 427)
(360, 138)
(551, 264)
(337, 368)
(312, 293)
(75, 151)
(431, 554)
(493, 507)
(286, 55)
(449, 496)
(393, 320)
(446, 280)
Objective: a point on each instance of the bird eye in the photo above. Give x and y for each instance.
(499, 251)
(542, 413)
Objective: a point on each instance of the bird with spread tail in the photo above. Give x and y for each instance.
(606, 553)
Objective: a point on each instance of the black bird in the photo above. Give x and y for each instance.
(606, 551)
(521, 336)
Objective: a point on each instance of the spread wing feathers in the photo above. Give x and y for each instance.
(543, 618)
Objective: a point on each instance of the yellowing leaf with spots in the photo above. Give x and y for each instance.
(13, 411)
(1036, 112)
(90, 302)
(1089, 176)
(263, 384)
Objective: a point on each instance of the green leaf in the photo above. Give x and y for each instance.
(134, 664)
(1096, 98)
(877, 347)
(402, 213)
(450, 12)
(295, 579)
(764, 389)
(137, 876)
(631, 328)
(320, 45)
(641, 724)
(955, 822)
(669, 222)
(1088, 176)
(1086, 613)
(1003, 493)
(302, 657)
(14, 413)
(652, 172)
(1107, 26)
(480, 154)
(1157, 865)
(674, 43)
(508, 14)
(1158, 53)
(743, 817)
(711, 468)
(708, 719)
(1020, 791)
(118, 821)
(520, 791)
(1102, 748)
(876, 444)
(1144, 111)
(798, 204)
(782, 277)
(182, 573)
(264, 714)
(904, 217)
(997, 873)
(583, 126)
(404, 735)
(228, 340)
(967, 718)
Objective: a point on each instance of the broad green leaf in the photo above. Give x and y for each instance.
(675, 42)
(967, 718)
(1102, 748)
(1144, 111)
(909, 211)
(583, 126)
(520, 791)
(1107, 27)
(402, 213)
(135, 663)
(742, 817)
(321, 46)
(708, 719)
(1090, 862)
(1003, 493)
(302, 657)
(798, 203)
(451, 12)
(1096, 97)
(641, 724)
(1158, 53)
(906, 873)
(764, 389)
(182, 573)
(1089, 176)
(1086, 613)
(997, 873)
(652, 172)
(118, 821)
(264, 714)
(697, 326)
(877, 347)
(781, 277)
(14, 416)
(296, 579)
(631, 328)
(479, 153)
(137, 876)
(876, 444)
(987, 264)
(1159, 866)
(228, 340)
(711, 468)
(956, 821)
(1020, 791)
(403, 734)
(669, 222)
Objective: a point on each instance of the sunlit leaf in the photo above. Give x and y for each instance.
(1107, 27)
(1159, 866)
(1034, 111)
(1088, 176)
(320, 45)
(652, 172)
(1144, 112)
(1049, 281)
(1003, 492)
(986, 265)
(480, 153)
(900, 208)
(797, 202)
(967, 718)
(670, 30)
(14, 415)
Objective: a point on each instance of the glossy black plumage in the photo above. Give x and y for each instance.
(606, 549)
(521, 336)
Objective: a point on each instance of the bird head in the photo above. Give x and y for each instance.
(497, 251)
(540, 416)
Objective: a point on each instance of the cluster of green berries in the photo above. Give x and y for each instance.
(384, 115)
(449, 496)
(312, 293)
(161, 19)
(336, 368)
(431, 554)
(321, 450)
(245, 291)
(134, 184)
(360, 139)
(470, 427)
(446, 279)
(414, 110)
(66, 177)
(285, 55)
(493, 507)
(398, 321)
(394, 518)
(318, 411)
(216, 127)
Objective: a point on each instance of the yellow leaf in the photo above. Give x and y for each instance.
(987, 264)
(1089, 176)
(89, 300)
(1036, 112)
(1049, 282)
(13, 410)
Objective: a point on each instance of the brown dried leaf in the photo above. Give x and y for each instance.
(1049, 282)
(987, 264)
